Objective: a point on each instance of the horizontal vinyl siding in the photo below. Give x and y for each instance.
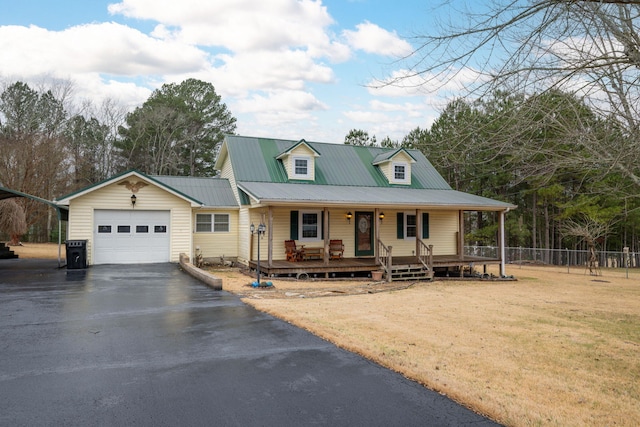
(339, 228)
(80, 226)
(118, 197)
(443, 228)
(243, 235)
(217, 244)
(227, 173)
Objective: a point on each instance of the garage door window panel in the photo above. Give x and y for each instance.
(124, 229)
(142, 228)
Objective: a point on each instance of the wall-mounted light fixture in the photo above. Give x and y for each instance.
(381, 216)
(133, 200)
(349, 216)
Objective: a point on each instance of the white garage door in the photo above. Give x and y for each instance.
(131, 237)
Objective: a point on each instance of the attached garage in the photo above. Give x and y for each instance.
(133, 218)
(131, 237)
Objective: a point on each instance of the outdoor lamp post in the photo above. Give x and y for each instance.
(261, 229)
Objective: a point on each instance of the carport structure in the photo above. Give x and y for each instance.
(61, 211)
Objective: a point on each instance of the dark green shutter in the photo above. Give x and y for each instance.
(322, 223)
(425, 225)
(400, 225)
(293, 225)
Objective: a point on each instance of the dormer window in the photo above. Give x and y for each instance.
(301, 167)
(400, 172)
(395, 165)
(299, 161)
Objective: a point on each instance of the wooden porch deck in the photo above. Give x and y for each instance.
(362, 267)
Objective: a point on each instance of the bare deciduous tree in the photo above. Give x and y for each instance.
(12, 220)
(589, 48)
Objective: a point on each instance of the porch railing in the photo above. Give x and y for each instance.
(425, 255)
(384, 258)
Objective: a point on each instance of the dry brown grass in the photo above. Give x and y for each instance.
(38, 250)
(553, 348)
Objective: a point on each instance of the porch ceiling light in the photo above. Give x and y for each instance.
(133, 200)
(349, 216)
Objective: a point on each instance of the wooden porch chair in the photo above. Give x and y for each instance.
(336, 249)
(293, 253)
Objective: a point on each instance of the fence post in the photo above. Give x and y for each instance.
(568, 263)
(625, 252)
(520, 255)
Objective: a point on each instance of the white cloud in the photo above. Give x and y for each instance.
(405, 83)
(241, 25)
(281, 101)
(365, 116)
(268, 70)
(107, 48)
(373, 39)
(262, 57)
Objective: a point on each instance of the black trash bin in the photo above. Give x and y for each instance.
(76, 254)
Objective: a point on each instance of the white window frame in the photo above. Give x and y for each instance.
(294, 172)
(407, 172)
(301, 236)
(215, 219)
(406, 225)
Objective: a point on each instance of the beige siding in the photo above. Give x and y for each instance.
(217, 244)
(227, 173)
(388, 171)
(116, 196)
(304, 151)
(443, 228)
(243, 235)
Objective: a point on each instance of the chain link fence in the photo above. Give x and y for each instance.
(565, 257)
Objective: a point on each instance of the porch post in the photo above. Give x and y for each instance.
(325, 227)
(461, 234)
(270, 238)
(376, 221)
(501, 246)
(418, 232)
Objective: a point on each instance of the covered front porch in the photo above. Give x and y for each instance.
(405, 266)
(404, 244)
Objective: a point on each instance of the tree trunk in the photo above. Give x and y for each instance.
(534, 221)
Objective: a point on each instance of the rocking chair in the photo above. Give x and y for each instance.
(293, 253)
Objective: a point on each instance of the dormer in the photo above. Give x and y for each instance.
(396, 166)
(299, 161)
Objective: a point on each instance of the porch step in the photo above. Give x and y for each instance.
(410, 272)
(6, 253)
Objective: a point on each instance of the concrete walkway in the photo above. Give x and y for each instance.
(148, 345)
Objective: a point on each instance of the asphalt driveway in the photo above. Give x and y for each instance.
(149, 345)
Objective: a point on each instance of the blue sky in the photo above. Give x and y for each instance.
(285, 68)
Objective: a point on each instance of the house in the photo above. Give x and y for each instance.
(389, 209)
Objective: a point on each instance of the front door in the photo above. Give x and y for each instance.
(364, 234)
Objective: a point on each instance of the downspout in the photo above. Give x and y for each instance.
(270, 238)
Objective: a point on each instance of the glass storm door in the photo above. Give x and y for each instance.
(364, 233)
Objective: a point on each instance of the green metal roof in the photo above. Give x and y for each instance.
(386, 156)
(255, 160)
(283, 193)
(212, 192)
(64, 200)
